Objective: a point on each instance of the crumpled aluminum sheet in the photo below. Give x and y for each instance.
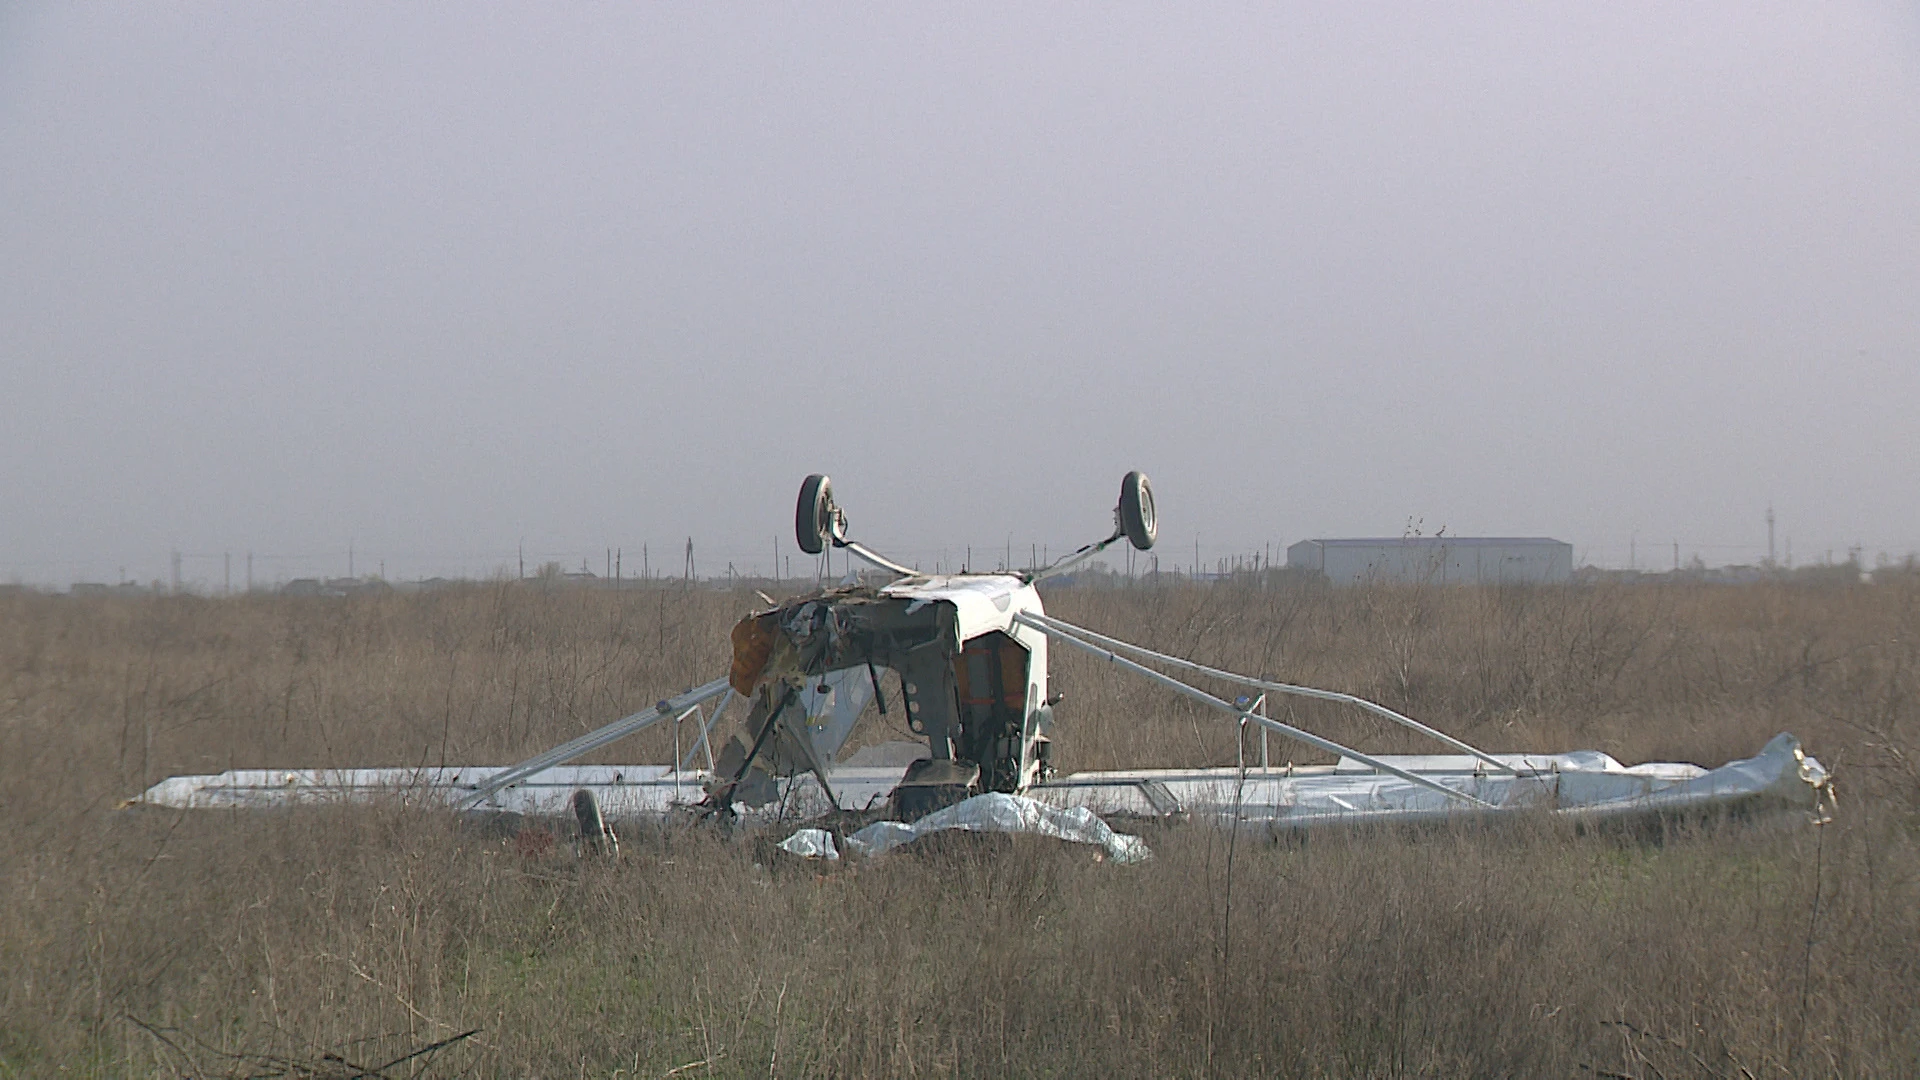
(993, 812)
(811, 844)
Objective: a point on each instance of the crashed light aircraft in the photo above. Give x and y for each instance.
(969, 655)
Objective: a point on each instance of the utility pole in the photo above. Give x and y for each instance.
(523, 560)
(616, 566)
(646, 564)
(1770, 562)
(226, 582)
(689, 567)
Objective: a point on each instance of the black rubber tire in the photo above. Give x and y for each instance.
(812, 518)
(1137, 518)
(914, 803)
(586, 809)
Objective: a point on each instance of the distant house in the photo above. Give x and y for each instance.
(1446, 560)
(340, 586)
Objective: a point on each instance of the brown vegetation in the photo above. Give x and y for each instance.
(326, 942)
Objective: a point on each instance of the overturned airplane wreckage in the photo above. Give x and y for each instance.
(969, 654)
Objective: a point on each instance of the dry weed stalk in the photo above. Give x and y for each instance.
(1522, 948)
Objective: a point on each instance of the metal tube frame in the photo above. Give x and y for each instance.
(1264, 765)
(876, 558)
(1075, 559)
(1058, 634)
(594, 740)
(1284, 688)
(706, 732)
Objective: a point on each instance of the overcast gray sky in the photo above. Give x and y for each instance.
(436, 280)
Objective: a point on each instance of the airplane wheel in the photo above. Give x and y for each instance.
(813, 518)
(1136, 511)
(914, 803)
(596, 837)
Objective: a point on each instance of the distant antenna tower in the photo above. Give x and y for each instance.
(1770, 562)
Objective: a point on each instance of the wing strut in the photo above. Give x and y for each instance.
(594, 740)
(1066, 632)
(706, 736)
(1279, 688)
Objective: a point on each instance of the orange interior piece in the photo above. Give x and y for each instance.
(997, 648)
(752, 645)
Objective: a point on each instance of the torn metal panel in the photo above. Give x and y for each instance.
(833, 704)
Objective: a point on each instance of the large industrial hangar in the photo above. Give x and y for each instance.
(1450, 560)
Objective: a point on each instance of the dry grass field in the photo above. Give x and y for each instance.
(336, 942)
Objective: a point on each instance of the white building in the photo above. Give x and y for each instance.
(1451, 560)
